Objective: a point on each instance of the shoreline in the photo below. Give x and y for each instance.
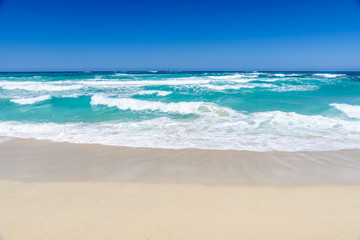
(34, 160)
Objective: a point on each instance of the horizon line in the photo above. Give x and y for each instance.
(159, 71)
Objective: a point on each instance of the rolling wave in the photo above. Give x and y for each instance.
(352, 111)
(173, 107)
(26, 101)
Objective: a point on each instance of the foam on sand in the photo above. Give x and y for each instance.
(2, 140)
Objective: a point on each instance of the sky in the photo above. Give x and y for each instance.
(226, 35)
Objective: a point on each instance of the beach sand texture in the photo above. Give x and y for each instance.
(114, 210)
(78, 199)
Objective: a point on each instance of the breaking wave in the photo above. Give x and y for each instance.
(328, 75)
(257, 111)
(178, 107)
(24, 101)
(262, 131)
(352, 111)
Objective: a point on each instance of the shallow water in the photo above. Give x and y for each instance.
(257, 111)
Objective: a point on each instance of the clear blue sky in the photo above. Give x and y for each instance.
(50, 35)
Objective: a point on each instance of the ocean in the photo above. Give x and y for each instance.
(255, 111)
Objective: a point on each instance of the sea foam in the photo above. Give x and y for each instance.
(173, 107)
(262, 131)
(329, 75)
(156, 92)
(289, 88)
(210, 110)
(24, 101)
(352, 111)
(36, 86)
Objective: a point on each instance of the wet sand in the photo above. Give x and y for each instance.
(71, 191)
(31, 160)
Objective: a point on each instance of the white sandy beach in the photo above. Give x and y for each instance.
(115, 210)
(90, 196)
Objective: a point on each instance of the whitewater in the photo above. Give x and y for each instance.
(255, 111)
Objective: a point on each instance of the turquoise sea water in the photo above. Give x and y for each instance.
(258, 111)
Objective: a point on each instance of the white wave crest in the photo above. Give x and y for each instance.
(25, 101)
(329, 75)
(279, 75)
(157, 92)
(176, 81)
(178, 107)
(272, 87)
(283, 74)
(352, 111)
(229, 77)
(36, 86)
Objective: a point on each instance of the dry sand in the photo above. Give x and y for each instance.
(52, 191)
(114, 210)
